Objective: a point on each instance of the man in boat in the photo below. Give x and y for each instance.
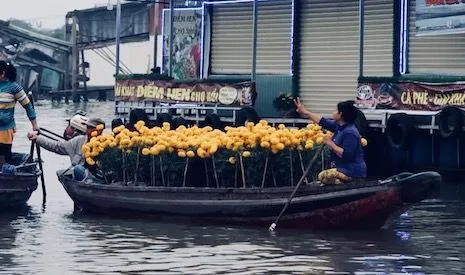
(347, 160)
(72, 147)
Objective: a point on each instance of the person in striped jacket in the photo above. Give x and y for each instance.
(10, 93)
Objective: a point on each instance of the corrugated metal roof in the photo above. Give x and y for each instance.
(97, 25)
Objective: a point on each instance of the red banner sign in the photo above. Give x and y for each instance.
(229, 94)
(409, 96)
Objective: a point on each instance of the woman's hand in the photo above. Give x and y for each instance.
(328, 141)
(333, 146)
(300, 108)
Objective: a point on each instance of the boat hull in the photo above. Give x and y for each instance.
(355, 205)
(15, 190)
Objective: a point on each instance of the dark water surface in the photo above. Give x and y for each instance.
(428, 239)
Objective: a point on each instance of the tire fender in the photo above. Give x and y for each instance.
(214, 121)
(361, 123)
(450, 122)
(399, 130)
(163, 117)
(246, 114)
(178, 121)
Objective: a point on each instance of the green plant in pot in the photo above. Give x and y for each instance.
(284, 103)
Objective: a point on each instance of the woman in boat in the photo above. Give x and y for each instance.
(347, 160)
(72, 147)
(10, 93)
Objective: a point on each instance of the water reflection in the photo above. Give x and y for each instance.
(115, 245)
(11, 226)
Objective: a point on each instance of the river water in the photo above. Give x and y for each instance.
(428, 239)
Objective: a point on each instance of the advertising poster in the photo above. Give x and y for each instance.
(437, 17)
(186, 54)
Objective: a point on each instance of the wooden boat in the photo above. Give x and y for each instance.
(358, 205)
(17, 188)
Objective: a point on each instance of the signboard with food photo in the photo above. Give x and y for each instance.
(407, 95)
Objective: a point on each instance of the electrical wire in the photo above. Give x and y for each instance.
(121, 62)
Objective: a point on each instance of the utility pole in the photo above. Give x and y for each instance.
(66, 85)
(171, 39)
(74, 58)
(156, 8)
(118, 34)
(254, 41)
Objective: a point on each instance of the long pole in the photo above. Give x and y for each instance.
(39, 159)
(118, 34)
(254, 41)
(170, 54)
(304, 175)
(361, 24)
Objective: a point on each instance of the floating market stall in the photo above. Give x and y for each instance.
(243, 175)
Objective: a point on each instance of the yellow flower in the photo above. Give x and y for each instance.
(125, 141)
(99, 127)
(232, 160)
(364, 142)
(274, 140)
(90, 161)
(201, 153)
(213, 149)
(190, 154)
(280, 146)
(154, 151)
(265, 144)
(319, 140)
(94, 134)
(246, 154)
(263, 122)
(146, 151)
(182, 154)
(309, 145)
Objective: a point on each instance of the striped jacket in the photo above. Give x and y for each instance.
(10, 93)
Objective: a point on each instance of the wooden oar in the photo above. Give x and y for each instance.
(304, 175)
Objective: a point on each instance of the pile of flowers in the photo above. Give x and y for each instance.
(233, 144)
